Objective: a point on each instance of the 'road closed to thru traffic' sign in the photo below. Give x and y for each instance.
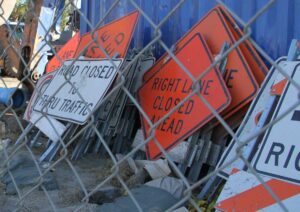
(168, 87)
(279, 155)
(90, 78)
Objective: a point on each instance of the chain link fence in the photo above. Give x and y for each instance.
(38, 174)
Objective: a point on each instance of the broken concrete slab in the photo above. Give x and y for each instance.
(137, 179)
(149, 199)
(105, 194)
(25, 173)
(158, 168)
(172, 185)
(28, 176)
(2, 130)
(21, 159)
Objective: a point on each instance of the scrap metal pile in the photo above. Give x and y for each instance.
(111, 100)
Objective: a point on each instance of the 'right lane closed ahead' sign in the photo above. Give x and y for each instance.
(279, 155)
(168, 87)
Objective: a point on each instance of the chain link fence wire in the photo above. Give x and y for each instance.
(72, 174)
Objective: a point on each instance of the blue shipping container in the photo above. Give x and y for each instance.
(273, 30)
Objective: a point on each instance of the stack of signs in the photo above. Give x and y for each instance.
(278, 155)
(65, 93)
(244, 72)
(274, 154)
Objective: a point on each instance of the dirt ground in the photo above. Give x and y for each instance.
(69, 194)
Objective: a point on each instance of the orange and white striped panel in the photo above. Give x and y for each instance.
(243, 192)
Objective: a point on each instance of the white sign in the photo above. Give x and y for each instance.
(244, 192)
(77, 88)
(279, 154)
(49, 126)
(248, 125)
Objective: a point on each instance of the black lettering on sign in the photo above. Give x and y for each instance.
(65, 104)
(79, 104)
(162, 103)
(109, 50)
(296, 115)
(289, 156)
(166, 84)
(86, 109)
(53, 102)
(297, 162)
(109, 72)
(204, 86)
(108, 44)
(94, 48)
(275, 150)
(229, 76)
(67, 54)
(119, 38)
(42, 99)
(104, 36)
(93, 72)
(169, 125)
(187, 86)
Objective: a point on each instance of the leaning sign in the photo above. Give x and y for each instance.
(171, 85)
(112, 39)
(77, 88)
(279, 155)
(239, 77)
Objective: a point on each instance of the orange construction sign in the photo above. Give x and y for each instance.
(258, 67)
(113, 38)
(239, 78)
(171, 85)
(66, 52)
